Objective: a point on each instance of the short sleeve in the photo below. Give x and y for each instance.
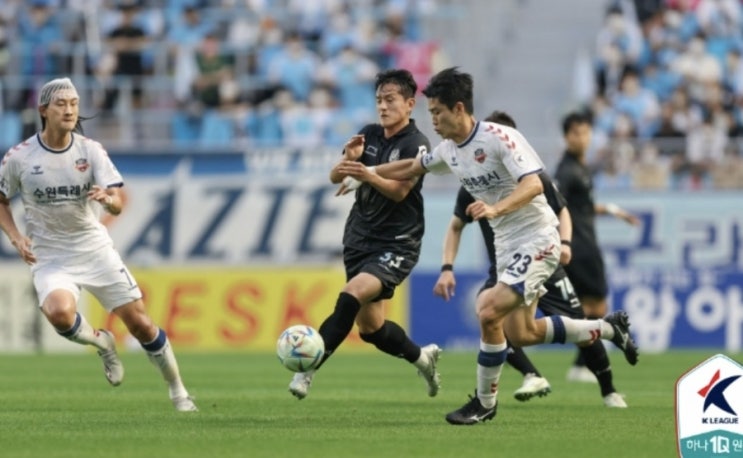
(464, 199)
(555, 199)
(434, 162)
(105, 172)
(518, 156)
(9, 180)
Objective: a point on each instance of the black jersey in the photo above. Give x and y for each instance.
(374, 219)
(576, 184)
(555, 200)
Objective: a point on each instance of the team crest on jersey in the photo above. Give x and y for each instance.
(82, 164)
(480, 155)
(37, 170)
(394, 155)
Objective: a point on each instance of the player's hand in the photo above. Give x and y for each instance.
(445, 285)
(566, 254)
(354, 148)
(479, 209)
(354, 169)
(99, 195)
(349, 184)
(629, 218)
(23, 245)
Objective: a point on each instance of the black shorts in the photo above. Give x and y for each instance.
(560, 298)
(390, 265)
(586, 271)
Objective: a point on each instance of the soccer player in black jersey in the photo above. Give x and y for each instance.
(586, 270)
(560, 299)
(383, 232)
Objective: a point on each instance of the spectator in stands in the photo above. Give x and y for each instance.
(214, 68)
(640, 104)
(122, 65)
(352, 77)
(294, 67)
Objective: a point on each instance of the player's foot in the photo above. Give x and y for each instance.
(429, 372)
(472, 412)
(184, 404)
(112, 366)
(532, 386)
(622, 338)
(300, 384)
(580, 374)
(615, 400)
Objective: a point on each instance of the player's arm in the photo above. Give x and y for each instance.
(404, 169)
(21, 243)
(110, 198)
(352, 151)
(446, 283)
(566, 235)
(616, 211)
(527, 188)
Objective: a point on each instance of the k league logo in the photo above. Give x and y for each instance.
(708, 399)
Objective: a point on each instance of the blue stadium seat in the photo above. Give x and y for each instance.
(11, 129)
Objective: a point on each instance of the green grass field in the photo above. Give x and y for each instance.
(365, 405)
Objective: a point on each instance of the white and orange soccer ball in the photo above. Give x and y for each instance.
(300, 348)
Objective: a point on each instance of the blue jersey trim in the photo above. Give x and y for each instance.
(472, 135)
(529, 173)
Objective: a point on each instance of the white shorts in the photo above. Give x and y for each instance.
(525, 265)
(102, 273)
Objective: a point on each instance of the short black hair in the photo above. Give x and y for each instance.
(399, 76)
(450, 86)
(572, 119)
(501, 117)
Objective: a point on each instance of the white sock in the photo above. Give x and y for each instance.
(164, 359)
(422, 361)
(488, 375)
(562, 330)
(83, 333)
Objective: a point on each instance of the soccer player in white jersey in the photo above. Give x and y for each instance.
(61, 175)
(500, 169)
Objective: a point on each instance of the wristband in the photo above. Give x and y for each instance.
(612, 209)
(565, 242)
(109, 200)
(446, 267)
(372, 169)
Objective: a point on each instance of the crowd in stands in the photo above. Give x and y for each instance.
(668, 103)
(212, 72)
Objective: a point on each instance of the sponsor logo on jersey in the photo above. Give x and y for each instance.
(37, 170)
(82, 164)
(708, 398)
(371, 150)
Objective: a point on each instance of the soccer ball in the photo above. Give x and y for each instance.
(300, 348)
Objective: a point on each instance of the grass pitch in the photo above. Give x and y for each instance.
(361, 405)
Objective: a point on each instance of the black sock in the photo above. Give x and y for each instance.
(336, 327)
(598, 362)
(393, 340)
(580, 360)
(519, 361)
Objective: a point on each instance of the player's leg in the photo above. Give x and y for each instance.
(58, 295)
(586, 272)
(159, 351)
(493, 306)
(361, 288)
(392, 339)
(560, 299)
(116, 289)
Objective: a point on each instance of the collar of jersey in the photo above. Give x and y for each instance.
(471, 136)
(55, 151)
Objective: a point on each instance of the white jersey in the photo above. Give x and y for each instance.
(489, 165)
(53, 184)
